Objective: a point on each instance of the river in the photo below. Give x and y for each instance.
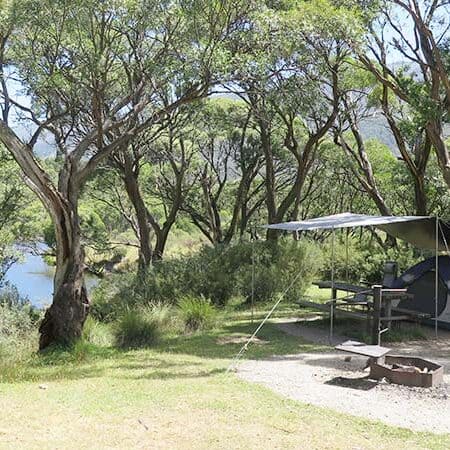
(33, 278)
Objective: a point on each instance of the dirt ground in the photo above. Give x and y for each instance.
(331, 380)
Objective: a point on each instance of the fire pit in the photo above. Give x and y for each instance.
(408, 371)
(405, 370)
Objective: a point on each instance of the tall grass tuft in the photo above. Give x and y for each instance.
(97, 333)
(196, 313)
(143, 327)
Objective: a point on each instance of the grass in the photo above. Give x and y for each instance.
(318, 295)
(176, 395)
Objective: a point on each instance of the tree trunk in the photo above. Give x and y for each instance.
(269, 180)
(378, 199)
(143, 225)
(161, 241)
(435, 132)
(420, 196)
(63, 321)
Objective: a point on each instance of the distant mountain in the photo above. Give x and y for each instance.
(376, 127)
(44, 147)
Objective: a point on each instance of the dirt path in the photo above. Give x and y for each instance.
(328, 380)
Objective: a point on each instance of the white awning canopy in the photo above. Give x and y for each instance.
(419, 231)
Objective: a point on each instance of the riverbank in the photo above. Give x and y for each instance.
(33, 278)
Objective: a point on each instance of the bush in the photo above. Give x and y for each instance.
(135, 330)
(366, 259)
(285, 267)
(97, 333)
(18, 324)
(144, 326)
(196, 313)
(112, 297)
(217, 273)
(161, 314)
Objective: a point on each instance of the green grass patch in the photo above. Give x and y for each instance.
(176, 395)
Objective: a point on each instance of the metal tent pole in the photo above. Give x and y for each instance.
(253, 276)
(333, 291)
(436, 279)
(347, 232)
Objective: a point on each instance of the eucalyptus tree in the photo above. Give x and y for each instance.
(418, 32)
(413, 143)
(92, 74)
(154, 172)
(406, 121)
(227, 191)
(354, 90)
(331, 178)
(290, 81)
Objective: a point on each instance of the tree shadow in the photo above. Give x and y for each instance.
(154, 363)
(62, 365)
(90, 361)
(211, 345)
(167, 375)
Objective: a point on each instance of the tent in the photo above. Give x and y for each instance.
(423, 279)
(421, 231)
(419, 280)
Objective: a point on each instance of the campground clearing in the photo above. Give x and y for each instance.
(178, 395)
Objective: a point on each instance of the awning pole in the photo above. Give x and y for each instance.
(253, 274)
(347, 231)
(436, 280)
(332, 287)
(332, 258)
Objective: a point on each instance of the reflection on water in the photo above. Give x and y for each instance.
(34, 279)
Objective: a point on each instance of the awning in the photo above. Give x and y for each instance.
(419, 231)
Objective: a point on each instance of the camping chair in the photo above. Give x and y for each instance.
(390, 273)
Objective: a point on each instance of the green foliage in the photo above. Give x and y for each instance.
(217, 273)
(196, 313)
(135, 329)
(143, 326)
(97, 333)
(21, 215)
(365, 259)
(112, 295)
(278, 266)
(18, 325)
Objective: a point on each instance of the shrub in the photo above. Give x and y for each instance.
(366, 259)
(112, 296)
(196, 313)
(144, 326)
(217, 273)
(135, 330)
(18, 325)
(161, 314)
(97, 333)
(283, 267)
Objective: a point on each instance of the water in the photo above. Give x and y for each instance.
(33, 278)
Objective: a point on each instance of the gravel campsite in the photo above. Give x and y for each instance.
(334, 380)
